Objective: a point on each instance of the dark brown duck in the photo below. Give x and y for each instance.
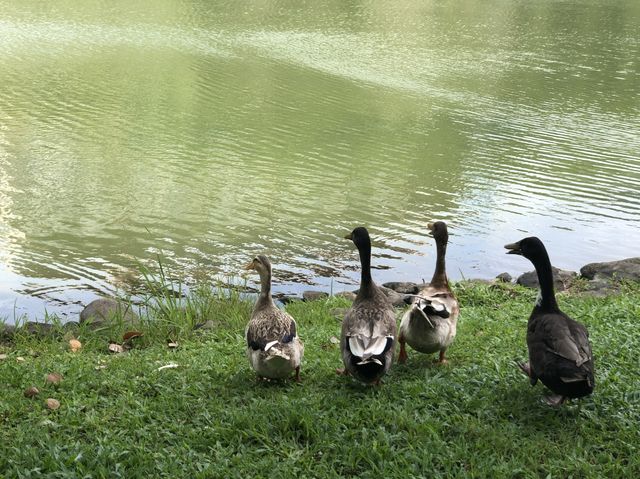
(559, 349)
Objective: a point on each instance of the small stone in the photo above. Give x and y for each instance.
(31, 392)
(20, 359)
(504, 278)
(314, 295)
(172, 345)
(3, 357)
(347, 295)
(52, 404)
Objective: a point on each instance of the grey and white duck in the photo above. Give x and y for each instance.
(273, 346)
(430, 324)
(368, 336)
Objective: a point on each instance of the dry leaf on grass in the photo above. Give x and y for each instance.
(20, 359)
(131, 334)
(172, 345)
(74, 345)
(54, 378)
(3, 356)
(52, 404)
(101, 366)
(334, 340)
(31, 392)
(168, 366)
(115, 348)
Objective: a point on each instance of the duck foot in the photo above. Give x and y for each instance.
(525, 368)
(555, 400)
(297, 377)
(442, 360)
(402, 357)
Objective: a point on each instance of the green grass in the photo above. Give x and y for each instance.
(476, 417)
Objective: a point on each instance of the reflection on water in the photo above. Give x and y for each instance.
(210, 132)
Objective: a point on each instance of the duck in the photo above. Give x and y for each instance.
(559, 348)
(367, 340)
(273, 346)
(430, 324)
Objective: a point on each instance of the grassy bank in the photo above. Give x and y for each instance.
(208, 417)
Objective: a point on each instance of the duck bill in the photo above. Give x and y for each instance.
(349, 236)
(514, 248)
(249, 266)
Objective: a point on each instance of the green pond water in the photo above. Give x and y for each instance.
(211, 131)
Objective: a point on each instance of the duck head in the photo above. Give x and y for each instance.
(261, 264)
(438, 230)
(360, 237)
(531, 248)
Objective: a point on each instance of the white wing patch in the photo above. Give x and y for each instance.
(269, 345)
(365, 348)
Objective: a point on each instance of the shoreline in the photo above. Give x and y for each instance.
(594, 279)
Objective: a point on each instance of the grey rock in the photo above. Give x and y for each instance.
(600, 286)
(102, 311)
(397, 299)
(286, 299)
(628, 269)
(7, 331)
(38, 329)
(314, 295)
(561, 279)
(346, 294)
(71, 326)
(403, 287)
(504, 278)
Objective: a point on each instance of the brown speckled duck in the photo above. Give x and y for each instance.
(559, 349)
(429, 326)
(368, 333)
(273, 346)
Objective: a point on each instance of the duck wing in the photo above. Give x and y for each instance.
(270, 327)
(369, 332)
(558, 336)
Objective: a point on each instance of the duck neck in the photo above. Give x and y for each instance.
(265, 290)
(366, 282)
(546, 296)
(440, 274)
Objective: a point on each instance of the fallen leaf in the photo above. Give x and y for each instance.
(3, 356)
(31, 392)
(168, 366)
(101, 366)
(75, 345)
(52, 404)
(20, 359)
(54, 378)
(172, 345)
(131, 334)
(115, 348)
(334, 340)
